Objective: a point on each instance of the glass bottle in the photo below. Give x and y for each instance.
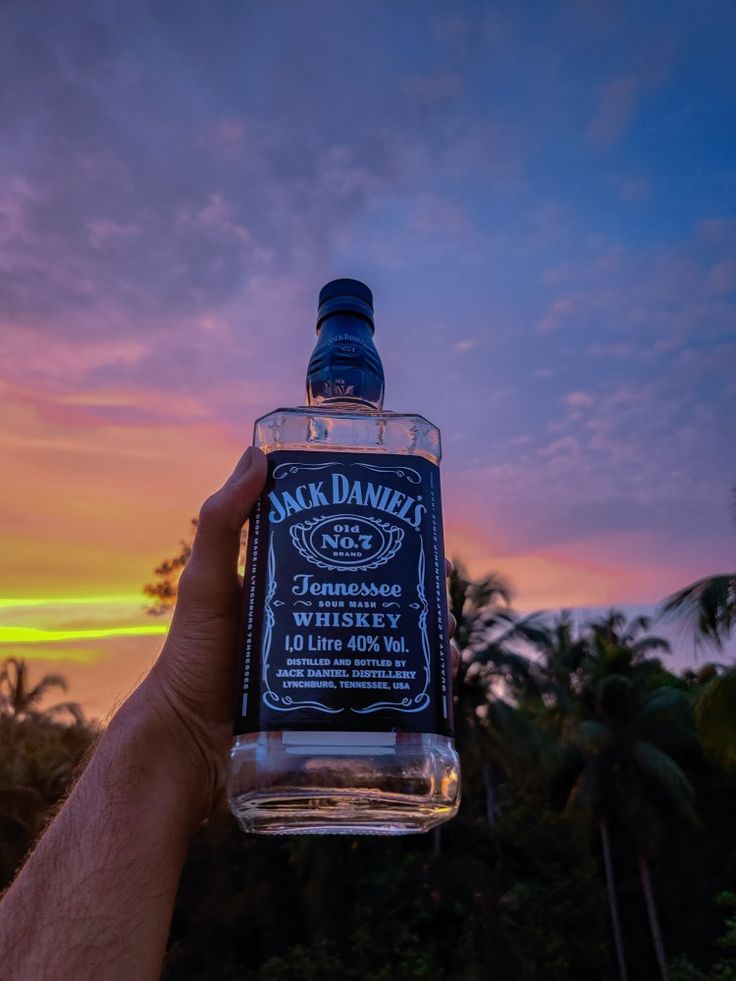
(343, 715)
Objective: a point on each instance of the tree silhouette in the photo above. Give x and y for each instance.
(627, 733)
(22, 700)
(162, 590)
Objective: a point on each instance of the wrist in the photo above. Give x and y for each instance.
(161, 742)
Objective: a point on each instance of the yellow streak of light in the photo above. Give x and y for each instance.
(10, 602)
(36, 635)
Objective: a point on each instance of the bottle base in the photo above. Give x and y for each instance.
(336, 814)
(343, 783)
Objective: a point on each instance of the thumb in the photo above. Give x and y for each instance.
(211, 573)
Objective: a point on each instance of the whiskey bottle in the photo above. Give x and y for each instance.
(344, 704)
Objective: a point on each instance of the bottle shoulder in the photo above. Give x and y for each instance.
(329, 428)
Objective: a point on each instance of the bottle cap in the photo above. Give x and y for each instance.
(345, 296)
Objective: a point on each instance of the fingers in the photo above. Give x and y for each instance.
(451, 628)
(211, 571)
(454, 658)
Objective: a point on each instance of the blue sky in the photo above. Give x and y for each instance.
(542, 197)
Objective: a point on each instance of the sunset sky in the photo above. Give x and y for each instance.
(542, 197)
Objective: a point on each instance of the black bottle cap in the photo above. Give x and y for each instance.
(345, 296)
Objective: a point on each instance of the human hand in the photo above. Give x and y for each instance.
(452, 627)
(191, 685)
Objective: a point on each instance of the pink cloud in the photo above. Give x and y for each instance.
(346, 177)
(617, 102)
(561, 309)
(565, 447)
(433, 214)
(620, 349)
(65, 360)
(226, 133)
(632, 191)
(579, 400)
(104, 233)
(218, 217)
(465, 345)
(723, 276)
(558, 274)
(431, 89)
(716, 230)
(16, 195)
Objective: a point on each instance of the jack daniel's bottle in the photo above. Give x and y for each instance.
(343, 717)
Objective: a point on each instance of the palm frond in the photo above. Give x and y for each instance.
(41, 687)
(668, 706)
(637, 625)
(532, 628)
(489, 590)
(645, 645)
(666, 777)
(521, 747)
(73, 708)
(715, 717)
(707, 607)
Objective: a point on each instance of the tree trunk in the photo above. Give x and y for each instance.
(613, 902)
(490, 789)
(646, 884)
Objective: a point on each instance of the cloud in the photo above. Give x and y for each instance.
(104, 233)
(438, 216)
(723, 276)
(433, 89)
(559, 314)
(620, 349)
(580, 400)
(218, 217)
(716, 230)
(634, 190)
(565, 448)
(66, 361)
(467, 344)
(616, 106)
(175, 190)
(226, 134)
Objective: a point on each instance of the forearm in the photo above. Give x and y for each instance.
(95, 898)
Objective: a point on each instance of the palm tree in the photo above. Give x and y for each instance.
(628, 777)
(475, 604)
(494, 671)
(21, 700)
(708, 608)
(616, 646)
(594, 686)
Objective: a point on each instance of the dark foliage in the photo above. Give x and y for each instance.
(560, 729)
(38, 759)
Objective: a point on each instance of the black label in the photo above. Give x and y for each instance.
(345, 621)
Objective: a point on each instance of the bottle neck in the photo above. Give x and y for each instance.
(345, 369)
